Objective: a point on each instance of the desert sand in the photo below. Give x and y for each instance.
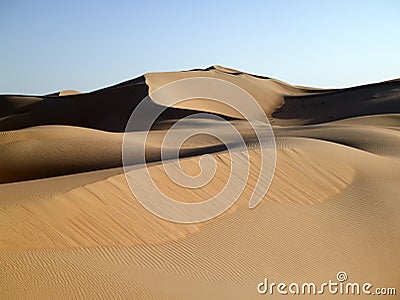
(70, 227)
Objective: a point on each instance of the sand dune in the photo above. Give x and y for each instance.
(71, 227)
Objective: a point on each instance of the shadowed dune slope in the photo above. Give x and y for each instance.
(284, 103)
(365, 100)
(107, 109)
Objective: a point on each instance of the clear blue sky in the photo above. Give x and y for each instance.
(48, 46)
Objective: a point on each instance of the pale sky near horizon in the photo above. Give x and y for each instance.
(47, 46)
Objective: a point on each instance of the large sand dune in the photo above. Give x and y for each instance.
(71, 227)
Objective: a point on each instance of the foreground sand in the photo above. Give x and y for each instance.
(70, 227)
